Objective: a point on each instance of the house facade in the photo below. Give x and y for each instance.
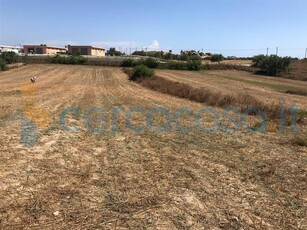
(43, 49)
(86, 50)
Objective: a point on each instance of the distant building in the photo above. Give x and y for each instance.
(86, 50)
(16, 49)
(196, 53)
(42, 49)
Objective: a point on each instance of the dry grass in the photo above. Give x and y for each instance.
(297, 92)
(298, 71)
(146, 180)
(300, 140)
(242, 102)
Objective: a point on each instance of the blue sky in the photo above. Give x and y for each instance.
(231, 27)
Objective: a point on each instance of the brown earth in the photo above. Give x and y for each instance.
(141, 180)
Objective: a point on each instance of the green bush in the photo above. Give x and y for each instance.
(272, 65)
(139, 53)
(151, 63)
(113, 52)
(141, 71)
(129, 62)
(178, 65)
(217, 58)
(9, 57)
(195, 58)
(2, 64)
(71, 59)
(257, 60)
(184, 57)
(194, 65)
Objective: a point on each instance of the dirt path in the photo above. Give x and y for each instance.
(122, 179)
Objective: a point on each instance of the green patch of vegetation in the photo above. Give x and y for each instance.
(217, 58)
(151, 63)
(272, 65)
(70, 59)
(2, 64)
(176, 65)
(9, 57)
(194, 65)
(113, 52)
(129, 62)
(141, 71)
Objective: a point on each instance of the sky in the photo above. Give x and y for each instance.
(230, 27)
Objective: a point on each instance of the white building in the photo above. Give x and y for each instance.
(16, 49)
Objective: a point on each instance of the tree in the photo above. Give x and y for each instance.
(141, 71)
(194, 65)
(113, 52)
(9, 57)
(139, 53)
(217, 58)
(272, 65)
(257, 60)
(2, 64)
(151, 63)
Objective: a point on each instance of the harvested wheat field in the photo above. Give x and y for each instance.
(267, 89)
(63, 174)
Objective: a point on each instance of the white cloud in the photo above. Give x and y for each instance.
(155, 45)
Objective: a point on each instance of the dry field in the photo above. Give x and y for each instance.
(232, 62)
(298, 70)
(268, 89)
(122, 179)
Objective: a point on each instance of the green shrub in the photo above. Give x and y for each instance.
(195, 58)
(71, 59)
(2, 64)
(139, 53)
(194, 65)
(9, 57)
(217, 58)
(272, 65)
(151, 63)
(129, 62)
(184, 57)
(141, 71)
(178, 65)
(113, 52)
(257, 60)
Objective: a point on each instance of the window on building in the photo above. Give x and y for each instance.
(39, 50)
(75, 51)
(84, 51)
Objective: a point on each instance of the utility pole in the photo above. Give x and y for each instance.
(277, 51)
(306, 53)
(267, 51)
